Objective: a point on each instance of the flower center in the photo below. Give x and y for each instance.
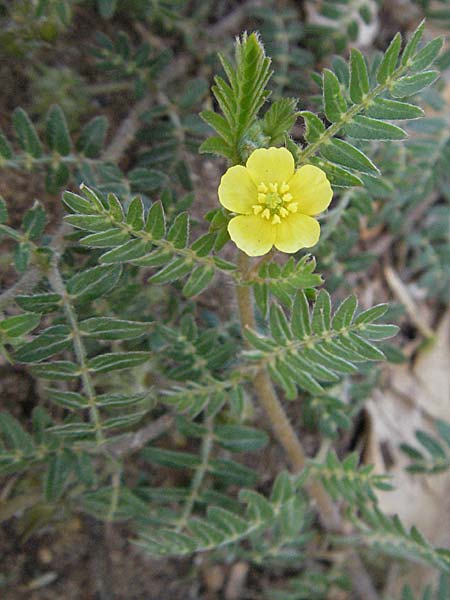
(274, 202)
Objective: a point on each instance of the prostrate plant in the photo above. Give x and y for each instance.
(192, 373)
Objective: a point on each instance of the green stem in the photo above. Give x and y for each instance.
(57, 283)
(200, 473)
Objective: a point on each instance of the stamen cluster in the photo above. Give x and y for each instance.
(274, 202)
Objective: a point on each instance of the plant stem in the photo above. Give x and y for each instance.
(200, 473)
(57, 284)
(288, 439)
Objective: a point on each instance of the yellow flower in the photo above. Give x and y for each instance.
(274, 202)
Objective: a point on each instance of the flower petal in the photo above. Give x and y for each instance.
(237, 191)
(271, 165)
(311, 189)
(297, 231)
(252, 234)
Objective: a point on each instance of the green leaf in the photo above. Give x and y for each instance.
(282, 489)
(172, 271)
(3, 211)
(135, 214)
(426, 56)
(366, 128)
(226, 521)
(171, 458)
(314, 127)
(178, 233)
(344, 153)
(107, 8)
(57, 370)
(300, 320)
(18, 325)
(108, 328)
(258, 508)
(389, 60)
(6, 151)
(22, 253)
(122, 421)
(252, 75)
(59, 467)
(338, 176)
(199, 280)
(26, 134)
(92, 137)
(279, 326)
(379, 332)
(131, 250)
(393, 110)
(279, 119)
(411, 46)
(146, 180)
(57, 133)
(320, 322)
(119, 400)
(51, 341)
(216, 145)
(334, 102)
(89, 222)
(41, 303)
(345, 313)
(233, 472)
(359, 77)
(366, 349)
(156, 222)
(106, 239)
(219, 124)
(117, 360)
(371, 314)
(204, 244)
(56, 178)
(93, 283)
(78, 204)
(206, 533)
(34, 221)
(430, 444)
(16, 437)
(412, 84)
(239, 438)
(68, 400)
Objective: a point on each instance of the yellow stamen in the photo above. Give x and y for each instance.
(287, 197)
(283, 212)
(275, 220)
(262, 187)
(261, 197)
(273, 187)
(284, 188)
(293, 207)
(266, 213)
(257, 208)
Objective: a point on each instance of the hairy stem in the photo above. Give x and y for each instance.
(288, 439)
(57, 284)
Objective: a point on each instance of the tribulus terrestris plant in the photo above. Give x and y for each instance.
(162, 341)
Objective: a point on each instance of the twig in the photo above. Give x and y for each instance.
(233, 21)
(126, 132)
(401, 292)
